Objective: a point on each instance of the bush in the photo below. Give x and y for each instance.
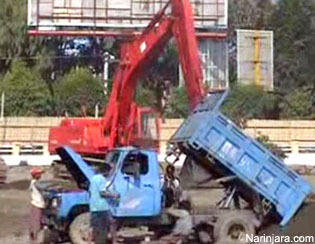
(26, 94)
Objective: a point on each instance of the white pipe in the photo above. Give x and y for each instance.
(29, 12)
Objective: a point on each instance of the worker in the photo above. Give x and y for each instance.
(100, 194)
(37, 205)
(171, 186)
(177, 203)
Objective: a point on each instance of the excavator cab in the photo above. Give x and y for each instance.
(147, 128)
(87, 137)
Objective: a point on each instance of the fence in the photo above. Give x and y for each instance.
(25, 135)
(29, 135)
(293, 136)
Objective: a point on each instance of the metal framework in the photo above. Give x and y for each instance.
(127, 18)
(104, 33)
(117, 13)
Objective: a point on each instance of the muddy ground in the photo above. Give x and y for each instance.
(14, 202)
(14, 209)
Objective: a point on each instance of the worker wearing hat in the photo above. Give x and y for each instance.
(37, 205)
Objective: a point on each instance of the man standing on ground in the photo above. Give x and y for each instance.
(37, 205)
(177, 204)
(99, 208)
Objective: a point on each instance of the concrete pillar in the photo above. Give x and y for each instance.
(295, 146)
(15, 149)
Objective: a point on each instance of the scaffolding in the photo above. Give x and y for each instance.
(45, 14)
(117, 18)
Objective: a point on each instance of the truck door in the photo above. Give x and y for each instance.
(137, 182)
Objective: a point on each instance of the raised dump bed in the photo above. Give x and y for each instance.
(208, 136)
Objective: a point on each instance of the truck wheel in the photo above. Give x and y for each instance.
(79, 229)
(233, 229)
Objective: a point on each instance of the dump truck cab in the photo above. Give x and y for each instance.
(136, 177)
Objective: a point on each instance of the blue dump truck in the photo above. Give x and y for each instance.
(208, 136)
(259, 187)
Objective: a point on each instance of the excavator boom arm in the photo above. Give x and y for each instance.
(138, 54)
(188, 52)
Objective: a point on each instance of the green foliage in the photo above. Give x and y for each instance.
(178, 106)
(154, 88)
(298, 104)
(145, 97)
(271, 146)
(13, 41)
(247, 102)
(249, 14)
(294, 38)
(25, 92)
(78, 92)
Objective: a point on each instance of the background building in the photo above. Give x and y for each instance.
(116, 17)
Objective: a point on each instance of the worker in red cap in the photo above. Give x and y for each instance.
(37, 205)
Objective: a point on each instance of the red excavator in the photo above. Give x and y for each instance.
(124, 123)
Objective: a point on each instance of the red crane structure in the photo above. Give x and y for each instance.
(124, 123)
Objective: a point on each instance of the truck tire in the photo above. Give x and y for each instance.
(233, 229)
(79, 229)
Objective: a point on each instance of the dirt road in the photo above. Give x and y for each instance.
(15, 207)
(14, 202)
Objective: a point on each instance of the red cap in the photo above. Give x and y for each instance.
(36, 171)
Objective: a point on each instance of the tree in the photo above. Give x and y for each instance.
(247, 102)
(25, 92)
(294, 37)
(298, 104)
(13, 41)
(158, 80)
(178, 106)
(78, 92)
(145, 97)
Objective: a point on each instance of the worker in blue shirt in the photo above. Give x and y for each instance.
(99, 207)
